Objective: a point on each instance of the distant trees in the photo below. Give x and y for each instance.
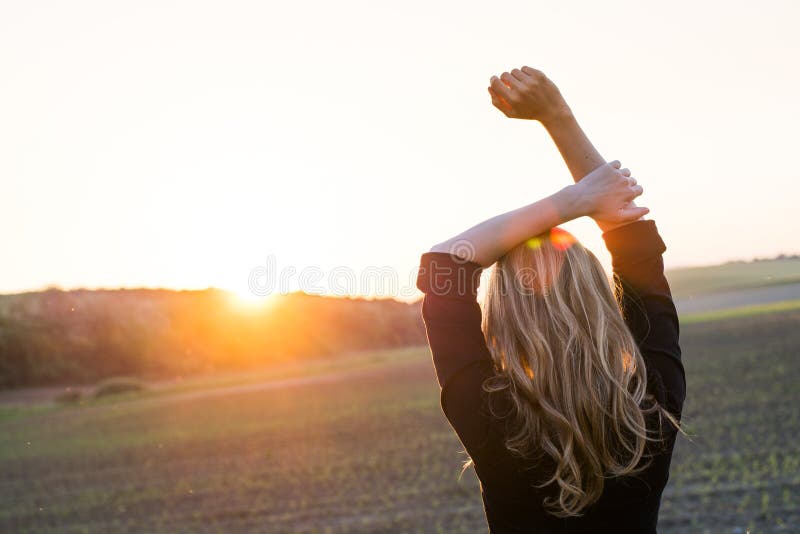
(59, 337)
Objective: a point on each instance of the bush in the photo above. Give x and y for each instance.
(116, 386)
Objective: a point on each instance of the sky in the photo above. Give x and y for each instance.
(191, 144)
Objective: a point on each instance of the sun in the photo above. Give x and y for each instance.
(244, 298)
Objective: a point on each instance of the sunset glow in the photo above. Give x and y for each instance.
(179, 145)
(245, 299)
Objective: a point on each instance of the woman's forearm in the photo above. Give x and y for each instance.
(527, 93)
(486, 242)
(604, 194)
(578, 152)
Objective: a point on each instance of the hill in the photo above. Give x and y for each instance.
(694, 281)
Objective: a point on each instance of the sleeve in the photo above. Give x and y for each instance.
(451, 312)
(646, 302)
(462, 360)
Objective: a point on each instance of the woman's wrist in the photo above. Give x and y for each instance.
(557, 118)
(569, 203)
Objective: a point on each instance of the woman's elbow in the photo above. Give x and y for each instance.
(441, 247)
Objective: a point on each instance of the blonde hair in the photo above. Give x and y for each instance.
(570, 366)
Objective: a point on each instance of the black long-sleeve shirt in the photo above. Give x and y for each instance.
(453, 321)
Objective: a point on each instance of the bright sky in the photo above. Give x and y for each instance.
(184, 143)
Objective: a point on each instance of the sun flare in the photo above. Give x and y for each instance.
(246, 299)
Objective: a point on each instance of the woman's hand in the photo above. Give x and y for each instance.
(606, 194)
(527, 93)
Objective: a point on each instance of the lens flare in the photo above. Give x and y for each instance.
(534, 242)
(560, 238)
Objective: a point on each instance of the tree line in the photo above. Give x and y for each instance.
(74, 337)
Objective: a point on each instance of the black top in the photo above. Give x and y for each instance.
(462, 360)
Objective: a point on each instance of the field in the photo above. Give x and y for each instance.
(734, 276)
(367, 449)
(735, 285)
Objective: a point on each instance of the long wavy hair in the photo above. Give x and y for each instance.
(570, 366)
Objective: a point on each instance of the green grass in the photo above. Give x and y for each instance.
(373, 452)
(289, 370)
(304, 368)
(11, 412)
(742, 311)
(694, 281)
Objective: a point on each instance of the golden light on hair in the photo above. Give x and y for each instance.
(572, 369)
(628, 362)
(527, 368)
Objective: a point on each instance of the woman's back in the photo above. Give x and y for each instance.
(483, 421)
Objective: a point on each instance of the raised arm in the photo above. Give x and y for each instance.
(527, 93)
(635, 245)
(646, 303)
(449, 276)
(605, 193)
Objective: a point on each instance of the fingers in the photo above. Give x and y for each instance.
(512, 82)
(533, 73)
(507, 85)
(521, 76)
(500, 88)
(625, 172)
(499, 103)
(632, 214)
(516, 77)
(635, 191)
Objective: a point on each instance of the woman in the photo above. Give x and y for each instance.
(567, 399)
